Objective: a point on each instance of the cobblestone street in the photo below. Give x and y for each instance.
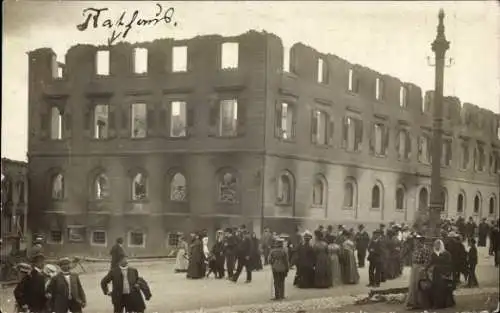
(173, 292)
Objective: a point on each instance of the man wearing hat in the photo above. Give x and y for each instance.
(375, 259)
(278, 259)
(230, 247)
(304, 277)
(362, 240)
(24, 270)
(117, 252)
(65, 291)
(35, 286)
(244, 250)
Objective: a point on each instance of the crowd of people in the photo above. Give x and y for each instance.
(323, 258)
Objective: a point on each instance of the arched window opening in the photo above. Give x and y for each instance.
(349, 195)
(400, 199)
(58, 187)
(284, 195)
(492, 206)
(376, 197)
(228, 188)
(423, 199)
(101, 187)
(477, 204)
(319, 191)
(178, 188)
(460, 203)
(139, 191)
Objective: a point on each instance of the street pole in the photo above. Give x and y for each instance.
(439, 47)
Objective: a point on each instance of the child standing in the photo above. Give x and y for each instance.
(278, 258)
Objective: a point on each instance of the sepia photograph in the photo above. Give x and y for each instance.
(250, 156)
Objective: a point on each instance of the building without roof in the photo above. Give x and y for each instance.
(146, 140)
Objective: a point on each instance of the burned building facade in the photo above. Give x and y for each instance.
(146, 140)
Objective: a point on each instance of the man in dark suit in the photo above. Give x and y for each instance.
(117, 252)
(243, 255)
(127, 287)
(35, 286)
(24, 270)
(375, 259)
(362, 240)
(230, 246)
(65, 291)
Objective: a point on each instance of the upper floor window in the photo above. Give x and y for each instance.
(320, 127)
(101, 187)
(58, 187)
(7, 190)
(379, 89)
(379, 140)
(319, 191)
(403, 145)
(228, 118)
(492, 206)
(139, 188)
(424, 155)
(228, 188)
(376, 197)
(21, 192)
(139, 120)
(285, 121)
(460, 202)
(322, 71)
(179, 59)
(56, 123)
(101, 116)
(140, 60)
(285, 189)
(229, 55)
(286, 59)
(178, 188)
(57, 69)
(350, 85)
(352, 133)
(350, 194)
(444, 198)
(400, 199)
(464, 155)
(479, 157)
(494, 162)
(178, 119)
(446, 154)
(102, 62)
(403, 96)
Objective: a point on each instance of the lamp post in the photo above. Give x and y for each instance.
(439, 47)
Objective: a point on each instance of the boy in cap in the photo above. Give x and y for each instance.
(24, 271)
(65, 291)
(278, 259)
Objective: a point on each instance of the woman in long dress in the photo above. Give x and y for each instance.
(196, 265)
(334, 250)
(350, 268)
(181, 260)
(442, 281)
(417, 298)
(323, 268)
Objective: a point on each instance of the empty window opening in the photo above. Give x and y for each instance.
(403, 145)
(350, 81)
(286, 59)
(477, 204)
(284, 189)
(178, 188)
(98, 237)
(139, 120)
(403, 97)
(318, 192)
(423, 149)
(376, 197)
(446, 154)
(101, 115)
(379, 138)
(319, 127)
(460, 203)
(56, 123)
(229, 55)
(492, 206)
(353, 134)
(423, 199)
(139, 191)
(464, 155)
(322, 71)
(58, 187)
(349, 195)
(228, 187)
(102, 62)
(228, 118)
(101, 187)
(136, 239)
(379, 89)
(480, 157)
(400, 199)
(179, 59)
(57, 68)
(140, 60)
(178, 119)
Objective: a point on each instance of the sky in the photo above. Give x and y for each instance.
(390, 37)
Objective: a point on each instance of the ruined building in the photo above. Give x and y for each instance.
(146, 140)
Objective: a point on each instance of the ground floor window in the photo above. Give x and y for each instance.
(98, 237)
(173, 239)
(55, 236)
(76, 233)
(136, 239)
